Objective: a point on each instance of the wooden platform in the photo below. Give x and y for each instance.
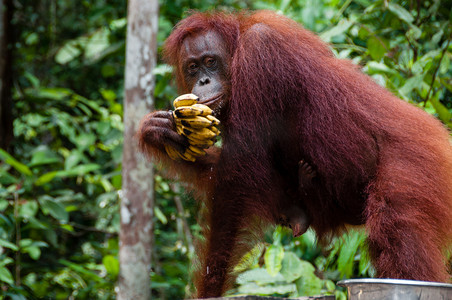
(329, 297)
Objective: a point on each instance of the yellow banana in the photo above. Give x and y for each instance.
(185, 100)
(214, 120)
(199, 133)
(200, 143)
(196, 150)
(205, 109)
(172, 153)
(188, 111)
(187, 156)
(215, 130)
(194, 122)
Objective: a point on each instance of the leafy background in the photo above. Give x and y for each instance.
(59, 180)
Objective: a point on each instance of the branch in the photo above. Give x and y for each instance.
(181, 213)
(427, 97)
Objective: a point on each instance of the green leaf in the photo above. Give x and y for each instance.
(46, 178)
(291, 266)
(7, 244)
(68, 52)
(411, 84)
(85, 140)
(259, 275)
(45, 93)
(76, 171)
(377, 47)
(160, 215)
(255, 289)
(73, 159)
(55, 209)
(308, 284)
(400, 12)
(339, 29)
(28, 209)
(111, 264)
(97, 43)
(33, 251)
(443, 113)
(348, 251)
(43, 156)
(273, 259)
(5, 275)
(20, 167)
(250, 258)
(82, 270)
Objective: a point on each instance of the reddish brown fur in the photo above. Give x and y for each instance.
(380, 160)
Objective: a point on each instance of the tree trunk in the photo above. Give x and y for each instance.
(137, 174)
(6, 120)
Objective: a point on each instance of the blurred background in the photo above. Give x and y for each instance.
(60, 161)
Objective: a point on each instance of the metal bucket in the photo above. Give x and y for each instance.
(396, 289)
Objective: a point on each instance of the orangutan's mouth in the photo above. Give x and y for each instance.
(211, 100)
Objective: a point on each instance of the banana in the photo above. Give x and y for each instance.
(172, 153)
(194, 122)
(199, 133)
(196, 150)
(205, 109)
(185, 100)
(188, 111)
(214, 120)
(215, 130)
(200, 143)
(187, 156)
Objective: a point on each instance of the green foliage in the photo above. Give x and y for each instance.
(60, 180)
(284, 272)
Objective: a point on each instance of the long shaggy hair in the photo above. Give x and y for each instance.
(380, 161)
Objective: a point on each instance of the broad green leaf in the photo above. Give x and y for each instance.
(259, 275)
(68, 52)
(308, 284)
(28, 209)
(255, 289)
(82, 270)
(55, 209)
(249, 258)
(75, 171)
(73, 159)
(46, 177)
(273, 259)
(291, 266)
(7, 244)
(348, 251)
(339, 29)
(20, 167)
(411, 84)
(378, 67)
(443, 113)
(44, 156)
(97, 43)
(83, 169)
(364, 263)
(33, 251)
(111, 264)
(400, 12)
(377, 47)
(5, 275)
(85, 140)
(45, 93)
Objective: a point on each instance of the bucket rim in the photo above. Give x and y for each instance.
(389, 281)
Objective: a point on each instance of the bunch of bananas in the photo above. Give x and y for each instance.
(195, 121)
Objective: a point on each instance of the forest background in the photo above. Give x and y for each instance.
(60, 175)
